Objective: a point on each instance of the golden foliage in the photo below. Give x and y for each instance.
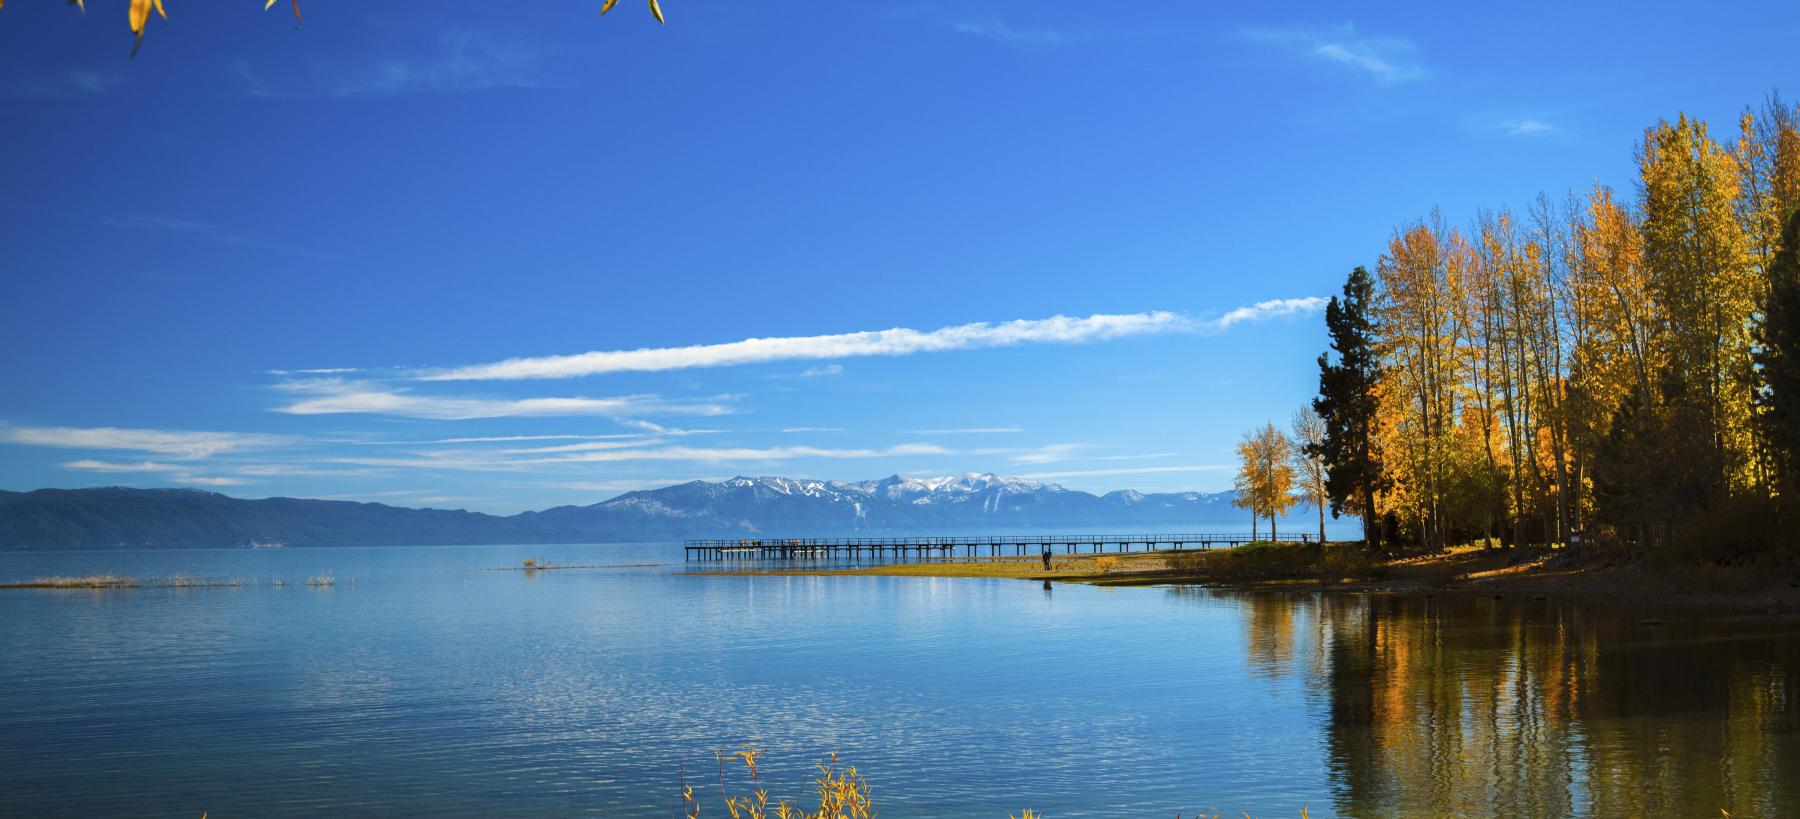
(1265, 478)
(842, 793)
(1509, 349)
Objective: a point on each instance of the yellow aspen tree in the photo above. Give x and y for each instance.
(1621, 312)
(1265, 479)
(1552, 236)
(1419, 338)
(1503, 255)
(1701, 274)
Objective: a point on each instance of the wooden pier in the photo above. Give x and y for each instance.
(948, 547)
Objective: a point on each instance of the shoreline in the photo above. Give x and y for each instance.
(1535, 573)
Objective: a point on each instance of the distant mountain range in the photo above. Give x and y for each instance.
(119, 517)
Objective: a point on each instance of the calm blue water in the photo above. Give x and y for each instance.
(425, 683)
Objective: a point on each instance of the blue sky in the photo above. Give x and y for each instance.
(272, 260)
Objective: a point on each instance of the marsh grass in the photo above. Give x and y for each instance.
(92, 581)
(533, 565)
(192, 582)
(321, 581)
(116, 581)
(841, 790)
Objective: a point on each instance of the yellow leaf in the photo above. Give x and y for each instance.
(269, 5)
(296, 11)
(159, 10)
(607, 6)
(657, 10)
(140, 14)
(80, 4)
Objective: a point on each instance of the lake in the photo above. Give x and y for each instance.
(424, 681)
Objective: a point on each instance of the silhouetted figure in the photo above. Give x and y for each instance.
(1046, 558)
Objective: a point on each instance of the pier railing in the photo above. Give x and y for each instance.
(969, 546)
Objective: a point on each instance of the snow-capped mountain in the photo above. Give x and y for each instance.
(948, 504)
(970, 503)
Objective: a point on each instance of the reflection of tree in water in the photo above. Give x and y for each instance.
(1481, 707)
(1485, 707)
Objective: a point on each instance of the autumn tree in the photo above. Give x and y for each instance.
(1417, 341)
(1348, 405)
(1700, 274)
(1265, 479)
(1309, 465)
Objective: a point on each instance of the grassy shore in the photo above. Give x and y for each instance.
(115, 581)
(1534, 572)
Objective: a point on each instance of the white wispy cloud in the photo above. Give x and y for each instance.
(1137, 470)
(507, 439)
(451, 62)
(820, 372)
(1528, 128)
(217, 234)
(317, 371)
(663, 431)
(109, 466)
(585, 446)
(1265, 310)
(335, 396)
(1000, 31)
(168, 443)
(1049, 453)
(723, 454)
(76, 82)
(619, 485)
(529, 460)
(1387, 59)
(293, 470)
(208, 480)
(898, 341)
(965, 431)
(796, 430)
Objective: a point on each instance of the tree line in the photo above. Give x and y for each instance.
(1602, 366)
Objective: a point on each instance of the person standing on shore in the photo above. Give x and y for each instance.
(1046, 558)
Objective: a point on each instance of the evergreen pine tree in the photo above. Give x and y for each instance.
(1348, 405)
(1778, 356)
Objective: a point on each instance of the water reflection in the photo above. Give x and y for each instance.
(1482, 707)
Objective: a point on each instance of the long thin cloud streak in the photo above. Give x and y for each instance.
(1264, 310)
(1144, 470)
(330, 397)
(170, 443)
(895, 342)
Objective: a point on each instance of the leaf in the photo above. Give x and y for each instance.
(607, 6)
(159, 10)
(140, 14)
(269, 5)
(657, 10)
(296, 11)
(80, 4)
